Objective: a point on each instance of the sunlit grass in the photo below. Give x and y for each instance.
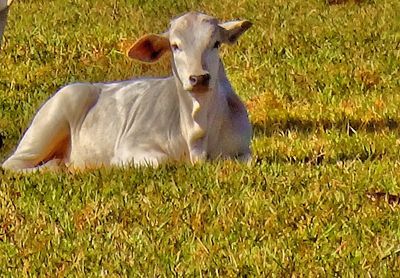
(321, 84)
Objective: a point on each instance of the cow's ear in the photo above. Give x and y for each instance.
(149, 48)
(232, 30)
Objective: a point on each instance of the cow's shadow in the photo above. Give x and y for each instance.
(351, 127)
(268, 127)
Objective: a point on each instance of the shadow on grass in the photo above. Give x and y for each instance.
(317, 156)
(268, 127)
(320, 158)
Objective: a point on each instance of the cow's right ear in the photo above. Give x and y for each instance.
(149, 48)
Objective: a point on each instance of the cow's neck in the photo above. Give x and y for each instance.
(200, 118)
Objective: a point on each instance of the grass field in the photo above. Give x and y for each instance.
(322, 85)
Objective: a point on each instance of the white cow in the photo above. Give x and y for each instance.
(4, 4)
(193, 115)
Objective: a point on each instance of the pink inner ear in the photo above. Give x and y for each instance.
(142, 50)
(148, 49)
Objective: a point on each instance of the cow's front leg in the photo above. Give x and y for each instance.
(198, 150)
(245, 158)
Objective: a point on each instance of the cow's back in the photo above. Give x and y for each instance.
(127, 115)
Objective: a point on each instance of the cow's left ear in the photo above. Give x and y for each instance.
(149, 48)
(232, 30)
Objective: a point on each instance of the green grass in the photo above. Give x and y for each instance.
(322, 85)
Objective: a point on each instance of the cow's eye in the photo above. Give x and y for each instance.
(174, 47)
(217, 44)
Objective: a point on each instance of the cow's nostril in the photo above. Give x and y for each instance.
(200, 80)
(193, 80)
(206, 79)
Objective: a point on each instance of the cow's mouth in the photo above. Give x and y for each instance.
(200, 89)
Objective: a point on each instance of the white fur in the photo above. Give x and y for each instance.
(144, 121)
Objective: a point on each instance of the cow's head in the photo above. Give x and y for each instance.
(194, 39)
